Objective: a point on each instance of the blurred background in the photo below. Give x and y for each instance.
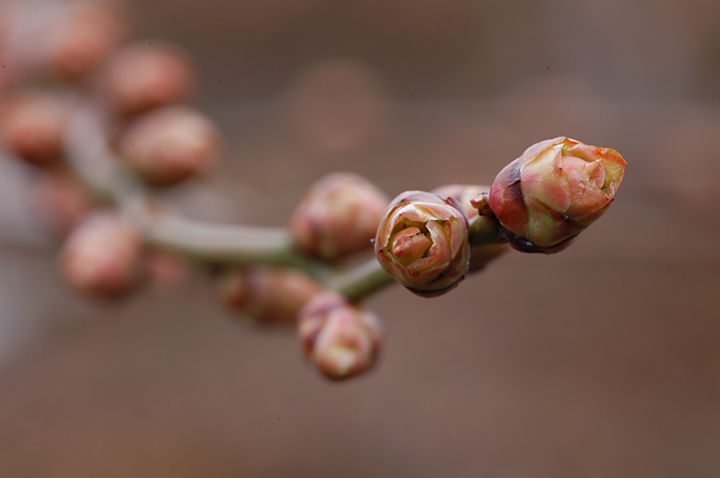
(601, 361)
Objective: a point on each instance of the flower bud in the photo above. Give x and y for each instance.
(480, 256)
(81, 36)
(146, 75)
(341, 339)
(423, 242)
(270, 296)
(170, 145)
(551, 193)
(32, 124)
(338, 216)
(102, 256)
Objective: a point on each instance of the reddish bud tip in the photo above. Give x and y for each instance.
(554, 191)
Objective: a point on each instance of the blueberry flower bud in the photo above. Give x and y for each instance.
(551, 193)
(423, 242)
(32, 124)
(340, 338)
(145, 75)
(338, 216)
(102, 256)
(269, 296)
(481, 255)
(169, 145)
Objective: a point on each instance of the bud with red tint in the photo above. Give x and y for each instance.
(268, 295)
(169, 145)
(32, 124)
(480, 256)
(102, 256)
(423, 242)
(551, 193)
(146, 75)
(341, 339)
(338, 216)
(81, 36)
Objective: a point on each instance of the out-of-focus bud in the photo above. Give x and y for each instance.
(338, 216)
(163, 269)
(551, 193)
(61, 201)
(423, 242)
(480, 256)
(341, 339)
(32, 124)
(102, 257)
(146, 75)
(270, 296)
(81, 36)
(170, 145)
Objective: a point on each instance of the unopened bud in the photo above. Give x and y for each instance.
(81, 36)
(169, 145)
(554, 191)
(270, 296)
(423, 242)
(32, 124)
(338, 216)
(102, 256)
(341, 339)
(481, 255)
(146, 75)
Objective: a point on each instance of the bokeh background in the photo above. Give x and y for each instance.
(602, 361)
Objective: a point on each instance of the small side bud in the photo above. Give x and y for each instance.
(102, 256)
(480, 256)
(146, 75)
(340, 338)
(554, 191)
(269, 296)
(32, 124)
(338, 216)
(423, 242)
(169, 145)
(81, 36)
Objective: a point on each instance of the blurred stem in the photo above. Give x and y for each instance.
(361, 281)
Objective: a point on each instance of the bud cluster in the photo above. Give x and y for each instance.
(62, 59)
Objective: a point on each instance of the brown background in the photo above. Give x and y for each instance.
(602, 361)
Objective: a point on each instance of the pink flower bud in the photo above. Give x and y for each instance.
(423, 242)
(270, 296)
(341, 339)
(32, 124)
(338, 216)
(146, 75)
(480, 256)
(170, 145)
(81, 36)
(555, 190)
(102, 256)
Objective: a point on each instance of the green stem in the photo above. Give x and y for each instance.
(484, 230)
(361, 281)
